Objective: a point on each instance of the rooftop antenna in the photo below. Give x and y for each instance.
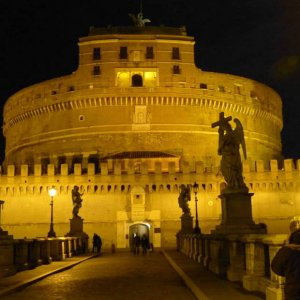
(138, 20)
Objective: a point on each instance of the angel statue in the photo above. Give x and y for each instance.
(139, 20)
(184, 197)
(229, 148)
(77, 200)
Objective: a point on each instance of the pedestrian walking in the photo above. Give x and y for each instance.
(136, 243)
(287, 263)
(144, 243)
(97, 243)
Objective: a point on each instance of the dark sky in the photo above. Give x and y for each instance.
(258, 39)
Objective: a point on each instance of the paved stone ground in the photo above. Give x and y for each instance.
(112, 276)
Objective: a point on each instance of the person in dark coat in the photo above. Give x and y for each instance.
(137, 243)
(145, 243)
(97, 243)
(287, 263)
(94, 242)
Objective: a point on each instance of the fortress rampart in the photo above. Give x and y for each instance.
(109, 193)
(120, 181)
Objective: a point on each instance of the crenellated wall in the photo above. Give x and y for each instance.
(108, 191)
(276, 176)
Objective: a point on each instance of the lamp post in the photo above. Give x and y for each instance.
(1, 207)
(195, 189)
(52, 193)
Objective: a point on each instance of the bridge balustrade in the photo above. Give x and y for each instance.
(245, 258)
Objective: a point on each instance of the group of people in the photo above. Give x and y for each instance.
(140, 242)
(97, 243)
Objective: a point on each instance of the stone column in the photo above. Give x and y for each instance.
(219, 255)
(206, 253)
(7, 267)
(275, 290)
(34, 253)
(45, 250)
(255, 262)
(21, 254)
(236, 269)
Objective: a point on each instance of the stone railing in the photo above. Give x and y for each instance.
(241, 258)
(23, 254)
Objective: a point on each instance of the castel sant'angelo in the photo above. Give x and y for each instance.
(128, 127)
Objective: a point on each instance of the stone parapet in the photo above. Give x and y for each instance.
(22, 254)
(245, 258)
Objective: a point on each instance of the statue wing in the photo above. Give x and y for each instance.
(146, 21)
(133, 17)
(239, 134)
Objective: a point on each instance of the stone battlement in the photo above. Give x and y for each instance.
(288, 166)
(117, 180)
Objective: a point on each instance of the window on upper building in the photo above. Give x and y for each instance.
(96, 70)
(253, 94)
(203, 86)
(175, 53)
(136, 80)
(123, 53)
(149, 53)
(237, 89)
(96, 54)
(221, 89)
(176, 69)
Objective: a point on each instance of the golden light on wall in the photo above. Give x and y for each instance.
(150, 79)
(124, 77)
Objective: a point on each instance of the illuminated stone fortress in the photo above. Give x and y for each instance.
(130, 125)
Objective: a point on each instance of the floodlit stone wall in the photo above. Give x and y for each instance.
(168, 110)
(138, 91)
(108, 207)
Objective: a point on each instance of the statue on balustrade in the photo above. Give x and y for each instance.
(77, 200)
(229, 148)
(184, 198)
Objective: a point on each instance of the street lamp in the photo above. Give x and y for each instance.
(195, 190)
(52, 193)
(1, 207)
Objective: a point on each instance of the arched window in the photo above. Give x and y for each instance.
(136, 80)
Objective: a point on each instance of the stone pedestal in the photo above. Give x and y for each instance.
(7, 267)
(76, 229)
(237, 215)
(186, 223)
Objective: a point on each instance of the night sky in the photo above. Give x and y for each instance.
(258, 39)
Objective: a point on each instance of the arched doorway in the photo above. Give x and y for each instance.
(137, 80)
(138, 229)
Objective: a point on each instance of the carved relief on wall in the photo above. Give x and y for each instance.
(141, 118)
